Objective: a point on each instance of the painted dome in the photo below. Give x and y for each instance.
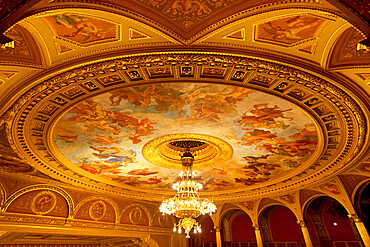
(256, 137)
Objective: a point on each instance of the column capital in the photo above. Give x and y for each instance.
(301, 223)
(354, 217)
(256, 227)
(218, 228)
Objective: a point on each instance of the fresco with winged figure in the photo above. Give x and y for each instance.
(82, 29)
(104, 135)
(290, 30)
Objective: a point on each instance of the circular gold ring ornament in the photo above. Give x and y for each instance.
(44, 202)
(209, 152)
(97, 210)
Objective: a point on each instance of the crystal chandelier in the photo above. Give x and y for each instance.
(187, 204)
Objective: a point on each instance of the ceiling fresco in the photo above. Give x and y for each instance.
(105, 135)
(82, 29)
(290, 30)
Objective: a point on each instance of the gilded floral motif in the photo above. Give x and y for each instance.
(187, 12)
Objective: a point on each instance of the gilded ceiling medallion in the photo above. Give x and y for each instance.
(166, 151)
(44, 202)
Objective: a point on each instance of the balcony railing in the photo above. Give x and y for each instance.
(254, 244)
(348, 244)
(288, 244)
(284, 244)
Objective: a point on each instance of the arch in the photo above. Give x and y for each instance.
(226, 219)
(313, 221)
(237, 225)
(156, 221)
(272, 203)
(327, 221)
(125, 7)
(358, 189)
(2, 196)
(236, 207)
(278, 223)
(42, 187)
(362, 203)
(95, 200)
(136, 220)
(242, 228)
(329, 196)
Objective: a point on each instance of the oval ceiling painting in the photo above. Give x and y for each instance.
(268, 137)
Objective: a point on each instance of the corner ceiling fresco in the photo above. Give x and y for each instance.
(291, 30)
(105, 135)
(82, 29)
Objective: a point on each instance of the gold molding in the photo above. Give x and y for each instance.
(97, 198)
(6, 218)
(42, 187)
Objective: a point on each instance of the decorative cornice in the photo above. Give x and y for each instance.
(6, 218)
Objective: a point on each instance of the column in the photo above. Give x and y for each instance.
(361, 229)
(258, 235)
(306, 234)
(226, 230)
(218, 236)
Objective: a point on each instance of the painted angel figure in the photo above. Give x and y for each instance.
(80, 26)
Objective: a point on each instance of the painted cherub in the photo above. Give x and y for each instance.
(80, 26)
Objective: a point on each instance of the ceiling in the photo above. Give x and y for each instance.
(91, 94)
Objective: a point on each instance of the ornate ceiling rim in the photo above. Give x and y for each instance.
(54, 71)
(239, 70)
(74, 169)
(209, 54)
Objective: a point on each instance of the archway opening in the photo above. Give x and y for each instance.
(328, 224)
(237, 229)
(362, 204)
(207, 238)
(279, 226)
